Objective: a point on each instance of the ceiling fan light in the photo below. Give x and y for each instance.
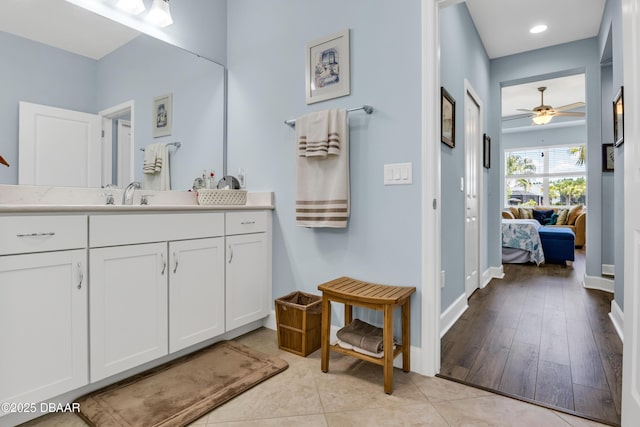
(538, 29)
(134, 7)
(542, 119)
(159, 13)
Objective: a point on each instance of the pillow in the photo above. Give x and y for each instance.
(542, 216)
(525, 213)
(574, 213)
(552, 219)
(515, 212)
(563, 215)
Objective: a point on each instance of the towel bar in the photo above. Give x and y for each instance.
(175, 144)
(367, 109)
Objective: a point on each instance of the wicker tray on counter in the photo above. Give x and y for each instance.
(221, 197)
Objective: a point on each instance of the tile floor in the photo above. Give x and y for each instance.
(351, 394)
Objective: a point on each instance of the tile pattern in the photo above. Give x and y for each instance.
(351, 394)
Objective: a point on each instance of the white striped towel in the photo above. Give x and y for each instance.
(322, 193)
(318, 134)
(153, 157)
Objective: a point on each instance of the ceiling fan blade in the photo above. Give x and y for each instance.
(570, 106)
(569, 114)
(515, 117)
(524, 109)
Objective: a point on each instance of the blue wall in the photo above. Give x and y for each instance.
(570, 58)
(612, 24)
(146, 68)
(266, 60)
(40, 74)
(462, 56)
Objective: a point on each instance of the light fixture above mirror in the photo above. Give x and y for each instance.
(159, 14)
(134, 7)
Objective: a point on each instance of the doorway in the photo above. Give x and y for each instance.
(117, 145)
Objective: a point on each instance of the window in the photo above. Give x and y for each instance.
(546, 176)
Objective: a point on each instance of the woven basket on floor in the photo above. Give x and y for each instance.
(221, 197)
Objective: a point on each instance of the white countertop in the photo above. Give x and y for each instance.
(40, 199)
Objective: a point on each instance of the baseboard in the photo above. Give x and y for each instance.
(452, 314)
(270, 322)
(608, 270)
(599, 283)
(617, 318)
(491, 273)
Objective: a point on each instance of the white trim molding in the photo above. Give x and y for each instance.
(617, 318)
(608, 270)
(598, 283)
(491, 273)
(452, 314)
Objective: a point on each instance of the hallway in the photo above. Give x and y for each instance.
(539, 335)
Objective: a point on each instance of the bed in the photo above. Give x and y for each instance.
(521, 241)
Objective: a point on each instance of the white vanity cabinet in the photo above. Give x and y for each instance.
(248, 283)
(196, 291)
(157, 286)
(128, 300)
(43, 306)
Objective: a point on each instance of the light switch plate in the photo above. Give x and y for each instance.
(398, 174)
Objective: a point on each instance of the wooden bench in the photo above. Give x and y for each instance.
(385, 298)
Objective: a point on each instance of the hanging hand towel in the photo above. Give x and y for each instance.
(322, 169)
(156, 171)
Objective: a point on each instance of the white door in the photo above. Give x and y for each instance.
(125, 162)
(631, 353)
(128, 320)
(472, 142)
(196, 291)
(247, 279)
(43, 311)
(58, 147)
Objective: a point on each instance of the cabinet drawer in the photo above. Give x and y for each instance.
(246, 222)
(27, 234)
(112, 230)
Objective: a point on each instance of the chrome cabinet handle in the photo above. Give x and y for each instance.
(51, 233)
(81, 276)
(247, 222)
(230, 254)
(164, 264)
(175, 268)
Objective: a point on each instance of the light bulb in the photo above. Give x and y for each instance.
(159, 13)
(135, 7)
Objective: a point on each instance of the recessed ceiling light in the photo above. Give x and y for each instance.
(538, 29)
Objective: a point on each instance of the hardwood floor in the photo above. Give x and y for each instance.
(539, 335)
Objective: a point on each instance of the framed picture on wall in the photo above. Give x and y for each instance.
(618, 118)
(448, 118)
(607, 157)
(327, 68)
(161, 115)
(486, 151)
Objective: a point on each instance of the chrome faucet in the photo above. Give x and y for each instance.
(127, 195)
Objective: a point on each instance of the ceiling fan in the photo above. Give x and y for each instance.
(542, 114)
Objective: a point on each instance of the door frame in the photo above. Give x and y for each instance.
(630, 353)
(469, 91)
(107, 115)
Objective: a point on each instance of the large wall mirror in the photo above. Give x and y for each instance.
(119, 82)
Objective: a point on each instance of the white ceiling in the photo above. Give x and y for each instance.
(504, 25)
(63, 25)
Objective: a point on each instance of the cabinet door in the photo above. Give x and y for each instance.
(247, 279)
(128, 307)
(196, 291)
(43, 315)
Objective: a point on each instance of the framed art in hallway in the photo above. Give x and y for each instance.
(162, 115)
(486, 151)
(447, 118)
(607, 157)
(327, 68)
(618, 118)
